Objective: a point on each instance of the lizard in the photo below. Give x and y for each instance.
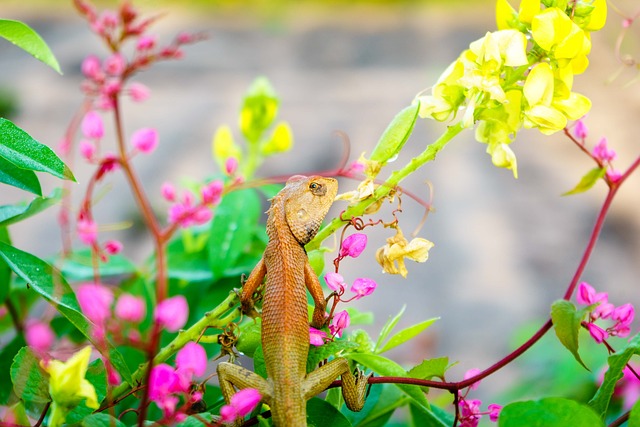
(294, 218)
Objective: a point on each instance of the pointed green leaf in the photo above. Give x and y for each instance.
(396, 134)
(23, 179)
(10, 214)
(406, 334)
(19, 148)
(587, 181)
(549, 412)
(388, 327)
(30, 382)
(617, 362)
(232, 229)
(386, 367)
(28, 40)
(566, 322)
(321, 413)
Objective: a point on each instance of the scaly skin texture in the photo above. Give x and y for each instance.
(295, 217)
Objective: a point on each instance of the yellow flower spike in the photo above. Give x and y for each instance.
(68, 385)
(598, 17)
(550, 27)
(528, 9)
(505, 15)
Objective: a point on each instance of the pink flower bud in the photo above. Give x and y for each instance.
(92, 126)
(87, 231)
(335, 282)
(339, 323)
(39, 336)
(95, 301)
(168, 192)
(145, 140)
(597, 332)
(212, 192)
(192, 359)
(138, 92)
(231, 166)
(353, 245)
(130, 308)
(363, 287)
(146, 43)
(113, 247)
(91, 68)
(87, 149)
(316, 336)
(172, 313)
(115, 64)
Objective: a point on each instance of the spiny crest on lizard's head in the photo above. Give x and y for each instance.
(306, 202)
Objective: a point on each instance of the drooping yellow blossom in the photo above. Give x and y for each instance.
(68, 385)
(391, 256)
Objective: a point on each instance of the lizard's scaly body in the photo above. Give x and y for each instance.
(295, 216)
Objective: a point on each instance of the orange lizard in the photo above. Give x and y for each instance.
(295, 217)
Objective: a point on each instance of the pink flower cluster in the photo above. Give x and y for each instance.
(621, 316)
(168, 384)
(241, 405)
(470, 409)
(187, 212)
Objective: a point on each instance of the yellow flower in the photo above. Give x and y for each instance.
(391, 256)
(68, 385)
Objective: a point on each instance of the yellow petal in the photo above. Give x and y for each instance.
(538, 87)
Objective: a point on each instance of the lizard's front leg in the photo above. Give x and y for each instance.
(354, 387)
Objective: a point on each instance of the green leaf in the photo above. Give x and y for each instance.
(23, 179)
(7, 355)
(396, 134)
(10, 214)
(634, 415)
(101, 420)
(549, 412)
(19, 148)
(406, 334)
(587, 181)
(617, 362)
(386, 367)
(30, 382)
(28, 40)
(388, 327)
(321, 413)
(430, 368)
(566, 322)
(232, 229)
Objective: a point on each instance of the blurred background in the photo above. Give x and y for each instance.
(505, 249)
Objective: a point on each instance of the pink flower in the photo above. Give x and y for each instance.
(91, 68)
(39, 336)
(316, 336)
(130, 308)
(602, 152)
(335, 282)
(191, 360)
(580, 131)
(113, 247)
(87, 149)
(231, 165)
(168, 191)
(139, 92)
(494, 411)
(115, 64)
(146, 43)
(241, 404)
(87, 231)
(95, 301)
(363, 287)
(597, 332)
(145, 140)
(172, 313)
(212, 192)
(587, 295)
(470, 374)
(92, 126)
(353, 245)
(339, 323)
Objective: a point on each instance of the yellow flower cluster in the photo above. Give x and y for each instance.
(520, 75)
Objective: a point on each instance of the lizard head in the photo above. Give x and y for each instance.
(307, 201)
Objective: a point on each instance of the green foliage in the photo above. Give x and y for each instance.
(549, 412)
(566, 322)
(28, 40)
